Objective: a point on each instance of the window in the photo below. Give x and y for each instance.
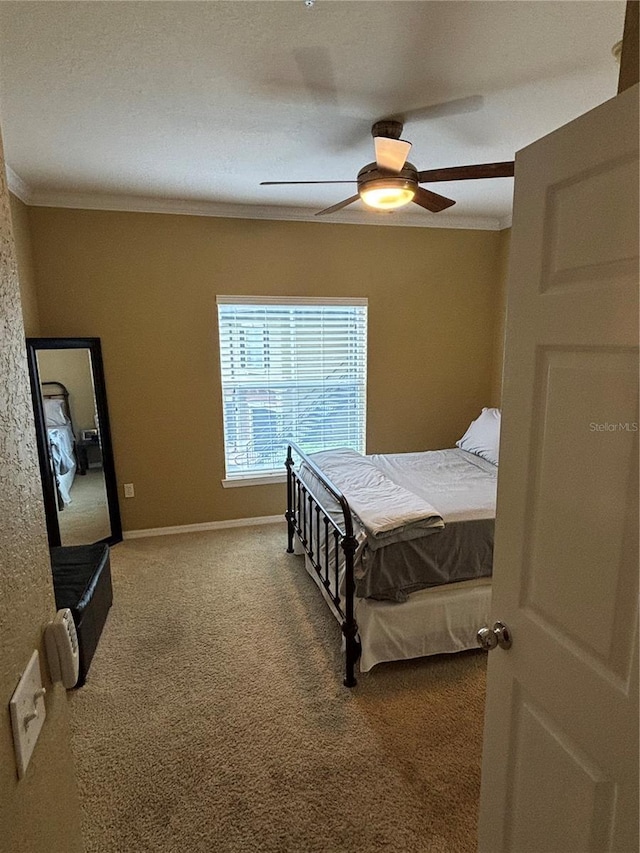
(291, 369)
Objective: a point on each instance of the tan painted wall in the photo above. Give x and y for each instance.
(501, 313)
(146, 285)
(72, 367)
(40, 813)
(22, 240)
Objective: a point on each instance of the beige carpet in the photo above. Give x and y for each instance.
(214, 717)
(86, 518)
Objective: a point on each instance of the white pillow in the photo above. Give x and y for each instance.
(483, 436)
(54, 413)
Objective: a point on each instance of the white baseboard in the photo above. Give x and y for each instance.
(206, 525)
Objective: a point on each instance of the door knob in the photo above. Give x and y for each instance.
(499, 635)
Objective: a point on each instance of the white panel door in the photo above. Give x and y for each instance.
(560, 762)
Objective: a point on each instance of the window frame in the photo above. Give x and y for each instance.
(267, 478)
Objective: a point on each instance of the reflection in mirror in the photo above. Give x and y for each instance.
(73, 437)
(74, 441)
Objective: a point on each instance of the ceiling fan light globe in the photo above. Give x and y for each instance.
(387, 193)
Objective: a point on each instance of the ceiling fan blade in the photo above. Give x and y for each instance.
(338, 206)
(313, 84)
(458, 106)
(432, 201)
(391, 154)
(467, 173)
(291, 183)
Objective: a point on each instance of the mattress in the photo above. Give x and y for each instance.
(462, 487)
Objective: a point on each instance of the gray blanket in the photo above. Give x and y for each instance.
(460, 552)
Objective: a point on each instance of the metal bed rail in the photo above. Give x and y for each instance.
(317, 531)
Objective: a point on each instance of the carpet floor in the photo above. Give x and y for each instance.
(214, 717)
(86, 518)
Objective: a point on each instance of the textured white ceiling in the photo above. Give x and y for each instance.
(194, 103)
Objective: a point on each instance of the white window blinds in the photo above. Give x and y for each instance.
(291, 369)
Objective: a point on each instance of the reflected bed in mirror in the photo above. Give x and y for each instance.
(74, 444)
(81, 492)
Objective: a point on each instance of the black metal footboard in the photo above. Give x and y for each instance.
(323, 538)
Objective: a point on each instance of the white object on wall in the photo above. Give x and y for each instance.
(28, 713)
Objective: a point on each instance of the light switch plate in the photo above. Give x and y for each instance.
(27, 713)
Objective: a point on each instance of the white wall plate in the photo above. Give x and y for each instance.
(27, 713)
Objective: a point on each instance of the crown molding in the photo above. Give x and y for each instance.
(18, 187)
(144, 204)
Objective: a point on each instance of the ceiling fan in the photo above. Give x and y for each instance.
(391, 181)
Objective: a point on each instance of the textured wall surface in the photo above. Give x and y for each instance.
(40, 813)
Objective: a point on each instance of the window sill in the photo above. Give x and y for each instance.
(264, 480)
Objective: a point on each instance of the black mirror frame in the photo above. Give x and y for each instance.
(93, 345)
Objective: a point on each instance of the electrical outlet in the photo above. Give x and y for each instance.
(129, 490)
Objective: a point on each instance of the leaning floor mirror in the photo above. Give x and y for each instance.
(74, 441)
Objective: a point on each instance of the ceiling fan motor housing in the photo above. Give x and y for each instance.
(389, 128)
(407, 177)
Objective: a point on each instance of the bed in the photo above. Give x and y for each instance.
(61, 440)
(400, 545)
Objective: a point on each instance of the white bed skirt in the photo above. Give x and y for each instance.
(434, 621)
